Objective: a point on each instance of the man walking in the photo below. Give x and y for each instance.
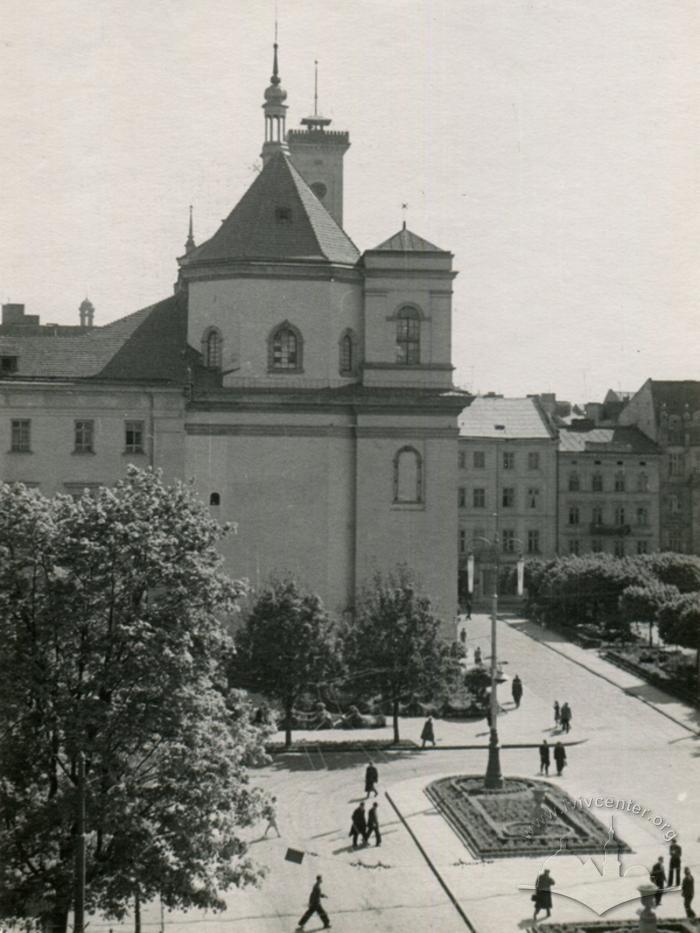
(559, 758)
(428, 734)
(543, 894)
(688, 891)
(565, 716)
(359, 825)
(373, 824)
(270, 814)
(371, 778)
(557, 713)
(315, 906)
(658, 876)
(674, 865)
(517, 690)
(544, 758)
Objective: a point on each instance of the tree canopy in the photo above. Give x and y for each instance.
(394, 646)
(111, 647)
(286, 646)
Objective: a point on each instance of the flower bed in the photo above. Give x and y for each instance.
(614, 926)
(635, 661)
(504, 823)
(342, 745)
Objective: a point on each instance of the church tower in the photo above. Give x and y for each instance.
(317, 154)
(275, 113)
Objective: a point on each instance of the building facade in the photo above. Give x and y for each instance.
(305, 388)
(668, 412)
(608, 491)
(506, 492)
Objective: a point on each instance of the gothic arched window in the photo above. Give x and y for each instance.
(212, 348)
(285, 349)
(347, 353)
(408, 475)
(408, 336)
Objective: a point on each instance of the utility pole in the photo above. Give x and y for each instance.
(79, 905)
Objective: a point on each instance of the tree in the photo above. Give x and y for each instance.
(111, 647)
(285, 646)
(642, 603)
(393, 646)
(679, 624)
(679, 570)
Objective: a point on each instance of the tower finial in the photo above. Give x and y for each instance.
(275, 79)
(404, 208)
(190, 244)
(316, 87)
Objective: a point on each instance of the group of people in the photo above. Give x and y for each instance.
(365, 824)
(687, 884)
(559, 753)
(562, 716)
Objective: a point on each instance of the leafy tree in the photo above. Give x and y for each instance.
(394, 647)
(679, 624)
(679, 570)
(285, 646)
(111, 647)
(642, 603)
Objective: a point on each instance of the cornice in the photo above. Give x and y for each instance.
(198, 429)
(267, 269)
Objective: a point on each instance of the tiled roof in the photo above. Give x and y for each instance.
(255, 228)
(147, 345)
(675, 395)
(618, 439)
(504, 417)
(406, 242)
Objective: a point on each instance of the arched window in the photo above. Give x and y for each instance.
(347, 353)
(285, 348)
(408, 336)
(215, 499)
(408, 475)
(212, 346)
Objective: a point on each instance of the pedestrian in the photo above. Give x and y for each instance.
(477, 655)
(517, 690)
(557, 713)
(428, 733)
(688, 892)
(658, 876)
(560, 758)
(358, 826)
(544, 758)
(270, 814)
(315, 906)
(674, 864)
(543, 893)
(371, 778)
(565, 717)
(373, 824)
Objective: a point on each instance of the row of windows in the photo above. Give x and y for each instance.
(507, 498)
(507, 460)
(83, 436)
(285, 346)
(618, 546)
(621, 515)
(619, 482)
(508, 540)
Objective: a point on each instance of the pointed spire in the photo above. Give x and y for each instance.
(316, 87)
(190, 243)
(275, 110)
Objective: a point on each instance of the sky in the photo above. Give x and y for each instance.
(553, 146)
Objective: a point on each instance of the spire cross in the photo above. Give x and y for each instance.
(404, 208)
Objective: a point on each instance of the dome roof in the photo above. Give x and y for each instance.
(275, 94)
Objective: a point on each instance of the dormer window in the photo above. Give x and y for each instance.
(8, 364)
(283, 215)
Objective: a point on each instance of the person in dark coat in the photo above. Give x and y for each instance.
(315, 906)
(544, 757)
(477, 655)
(517, 690)
(674, 864)
(371, 778)
(565, 717)
(543, 893)
(688, 892)
(658, 876)
(428, 734)
(359, 825)
(559, 758)
(557, 713)
(373, 824)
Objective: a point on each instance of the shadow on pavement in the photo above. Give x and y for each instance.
(323, 759)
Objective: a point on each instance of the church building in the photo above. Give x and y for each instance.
(304, 386)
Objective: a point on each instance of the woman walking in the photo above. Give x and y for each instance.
(543, 894)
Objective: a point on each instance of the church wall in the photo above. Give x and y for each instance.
(54, 466)
(287, 484)
(247, 310)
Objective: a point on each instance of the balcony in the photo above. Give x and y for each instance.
(598, 530)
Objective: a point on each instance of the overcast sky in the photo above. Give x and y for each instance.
(552, 145)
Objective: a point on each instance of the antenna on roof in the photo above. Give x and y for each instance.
(404, 208)
(316, 87)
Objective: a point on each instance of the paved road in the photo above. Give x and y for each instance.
(630, 752)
